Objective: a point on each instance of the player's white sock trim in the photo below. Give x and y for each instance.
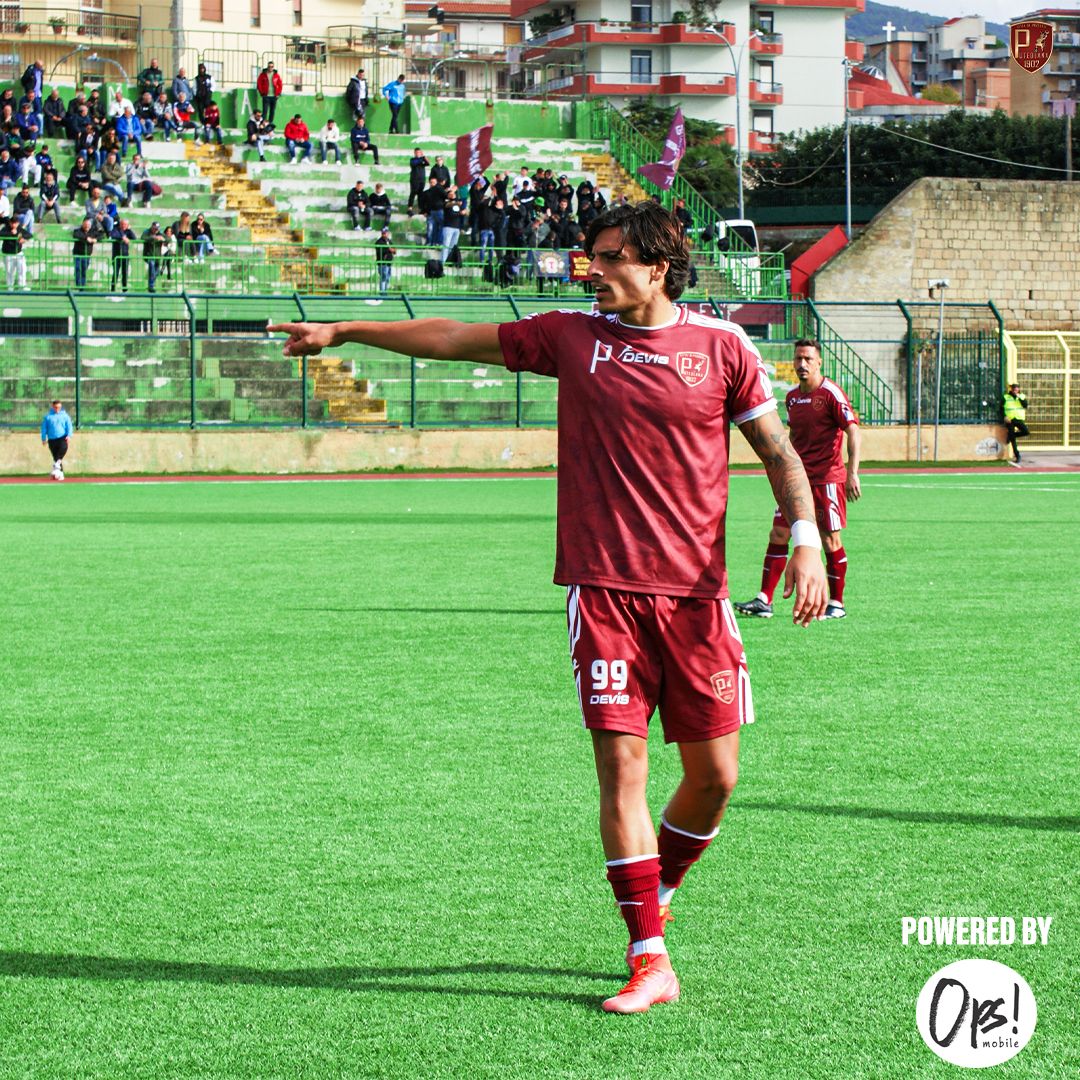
(684, 832)
(654, 946)
(665, 894)
(632, 859)
(763, 598)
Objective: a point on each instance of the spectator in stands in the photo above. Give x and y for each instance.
(380, 204)
(28, 124)
(87, 145)
(138, 179)
(169, 248)
(356, 93)
(204, 92)
(433, 204)
(50, 196)
(153, 247)
(151, 80)
(356, 202)
(14, 236)
(259, 132)
(203, 237)
(116, 107)
(585, 193)
(23, 208)
(79, 179)
(527, 198)
(210, 115)
(509, 270)
(95, 202)
(109, 142)
(96, 107)
(360, 140)
(439, 172)
(128, 129)
(33, 79)
(384, 256)
(54, 115)
(180, 85)
(269, 85)
(121, 236)
(164, 116)
(453, 223)
(418, 166)
(146, 113)
(297, 136)
(30, 169)
(686, 220)
(181, 229)
(479, 193)
(587, 214)
(394, 92)
(487, 214)
(85, 237)
(184, 114)
(9, 170)
(329, 137)
(78, 120)
(516, 223)
(563, 190)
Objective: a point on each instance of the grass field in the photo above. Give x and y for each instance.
(294, 785)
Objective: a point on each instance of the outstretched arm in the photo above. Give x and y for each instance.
(433, 339)
(805, 576)
(854, 445)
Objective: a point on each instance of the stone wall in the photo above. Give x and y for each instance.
(340, 450)
(1016, 242)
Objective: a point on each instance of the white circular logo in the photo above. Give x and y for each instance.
(976, 1013)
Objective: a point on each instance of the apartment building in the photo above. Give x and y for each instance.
(764, 69)
(1034, 94)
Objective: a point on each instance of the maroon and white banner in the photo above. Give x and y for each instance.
(473, 154)
(662, 172)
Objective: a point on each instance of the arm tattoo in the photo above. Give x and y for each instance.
(783, 466)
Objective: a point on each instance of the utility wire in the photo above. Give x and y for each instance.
(967, 153)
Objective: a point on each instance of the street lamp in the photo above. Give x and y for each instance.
(736, 63)
(435, 67)
(847, 150)
(93, 56)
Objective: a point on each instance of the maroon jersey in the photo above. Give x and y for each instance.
(818, 421)
(644, 415)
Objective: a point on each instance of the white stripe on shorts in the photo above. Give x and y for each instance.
(746, 698)
(730, 620)
(573, 630)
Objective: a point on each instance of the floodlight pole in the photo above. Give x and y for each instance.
(736, 63)
(941, 284)
(847, 150)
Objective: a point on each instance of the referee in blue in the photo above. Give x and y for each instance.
(56, 430)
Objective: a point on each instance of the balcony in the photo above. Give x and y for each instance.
(577, 36)
(766, 93)
(847, 5)
(630, 84)
(762, 44)
(67, 26)
(760, 142)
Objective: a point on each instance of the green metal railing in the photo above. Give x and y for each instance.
(345, 266)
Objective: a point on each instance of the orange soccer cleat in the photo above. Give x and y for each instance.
(652, 983)
(665, 918)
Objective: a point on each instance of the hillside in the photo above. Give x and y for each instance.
(864, 25)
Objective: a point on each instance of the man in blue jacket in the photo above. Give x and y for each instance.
(394, 92)
(56, 430)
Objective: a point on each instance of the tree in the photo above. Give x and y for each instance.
(946, 95)
(709, 163)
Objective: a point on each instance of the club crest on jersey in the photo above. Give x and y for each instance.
(819, 403)
(600, 354)
(723, 684)
(693, 367)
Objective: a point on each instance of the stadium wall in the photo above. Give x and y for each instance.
(1010, 240)
(340, 451)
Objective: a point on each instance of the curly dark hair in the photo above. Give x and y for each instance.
(657, 235)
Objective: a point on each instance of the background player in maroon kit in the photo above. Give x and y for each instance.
(819, 414)
(648, 391)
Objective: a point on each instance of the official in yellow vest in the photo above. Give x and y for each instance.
(1013, 412)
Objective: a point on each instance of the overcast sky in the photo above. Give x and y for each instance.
(992, 10)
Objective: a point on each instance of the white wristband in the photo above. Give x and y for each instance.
(805, 534)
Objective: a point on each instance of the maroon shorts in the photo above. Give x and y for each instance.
(830, 508)
(632, 652)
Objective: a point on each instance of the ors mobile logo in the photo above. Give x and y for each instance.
(1030, 43)
(976, 1013)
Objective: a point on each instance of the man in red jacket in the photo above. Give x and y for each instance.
(297, 137)
(269, 86)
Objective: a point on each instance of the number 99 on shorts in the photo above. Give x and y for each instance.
(609, 682)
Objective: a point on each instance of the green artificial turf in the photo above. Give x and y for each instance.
(294, 785)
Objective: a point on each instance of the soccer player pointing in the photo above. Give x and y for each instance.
(647, 394)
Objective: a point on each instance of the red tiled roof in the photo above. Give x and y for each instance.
(878, 92)
(462, 7)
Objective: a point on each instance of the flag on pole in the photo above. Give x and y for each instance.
(473, 154)
(662, 172)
